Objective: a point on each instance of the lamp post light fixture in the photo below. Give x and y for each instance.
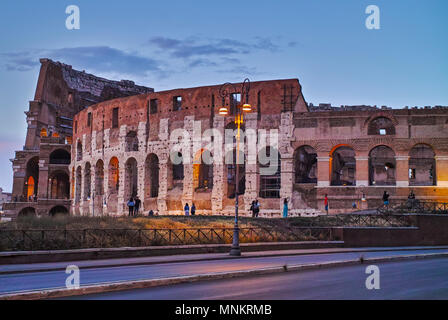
(226, 90)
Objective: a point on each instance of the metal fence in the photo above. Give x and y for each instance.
(359, 220)
(414, 206)
(19, 240)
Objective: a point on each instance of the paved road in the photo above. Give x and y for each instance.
(418, 279)
(10, 283)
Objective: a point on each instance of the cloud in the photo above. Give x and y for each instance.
(96, 58)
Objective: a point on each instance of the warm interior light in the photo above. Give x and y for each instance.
(247, 107)
(223, 111)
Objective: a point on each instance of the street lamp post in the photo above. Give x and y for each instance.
(239, 120)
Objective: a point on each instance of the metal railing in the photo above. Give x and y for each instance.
(358, 220)
(18, 240)
(414, 206)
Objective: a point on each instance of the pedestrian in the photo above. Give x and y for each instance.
(257, 208)
(150, 213)
(326, 203)
(285, 208)
(252, 208)
(131, 205)
(187, 209)
(138, 203)
(386, 198)
(193, 209)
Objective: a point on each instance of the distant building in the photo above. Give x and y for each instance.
(4, 197)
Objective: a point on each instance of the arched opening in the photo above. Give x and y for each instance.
(270, 173)
(422, 166)
(381, 126)
(43, 133)
(32, 179)
(131, 141)
(305, 165)
(58, 211)
(87, 181)
(99, 178)
(130, 179)
(27, 212)
(152, 176)
(59, 185)
(60, 156)
(231, 174)
(382, 166)
(343, 167)
(203, 171)
(79, 151)
(175, 171)
(113, 185)
(78, 184)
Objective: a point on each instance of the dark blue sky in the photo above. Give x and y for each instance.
(169, 44)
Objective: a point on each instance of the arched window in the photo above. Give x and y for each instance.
(381, 126)
(270, 173)
(58, 211)
(43, 132)
(422, 166)
(131, 141)
(32, 178)
(305, 165)
(99, 177)
(343, 167)
(79, 151)
(203, 171)
(114, 178)
(152, 176)
(130, 179)
(178, 167)
(60, 156)
(382, 166)
(87, 181)
(78, 184)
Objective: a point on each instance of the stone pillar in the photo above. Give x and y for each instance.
(286, 134)
(81, 198)
(402, 171)
(219, 182)
(362, 170)
(163, 185)
(252, 182)
(187, 195)
(141, 134)
(121, 210)
(323, 171)
(141, 184)
(93, 195)
(43, 187)
(442, 170)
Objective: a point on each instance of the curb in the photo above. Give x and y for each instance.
(140, 284)
(268, 254)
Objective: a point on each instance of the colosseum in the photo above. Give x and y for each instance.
(103, 142)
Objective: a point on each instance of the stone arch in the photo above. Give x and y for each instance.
(79, 151)
(381, 125)
(343, 166)
(43, 133)
(422, 165)
(203, 170)
(27, 212)
(59, 185)
(152, 176)
(58, 211)
(175, 170)
(78, 184)
(99, 177)
(60, 156)
(113, 184)
(270, 172)
(131, 141)
(382, 166)
(130, 179)
(32, 178)
(87, 181)
(305, 165)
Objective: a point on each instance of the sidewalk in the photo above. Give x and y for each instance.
(107, 263)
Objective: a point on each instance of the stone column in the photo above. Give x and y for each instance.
(187, 195)
(442, 170)
(323, 171)
(141, 184)
(219, 183)
(43, 184)
(362, 170)
(402, 171)
(92, 210)
(81, 198)
(122, 177)
(106, 193)
(252, 182)
(286, 134)
(163, 185)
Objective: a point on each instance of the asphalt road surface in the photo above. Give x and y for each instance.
(417, 279)
(10, 283)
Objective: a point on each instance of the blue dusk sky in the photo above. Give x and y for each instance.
(170, 44)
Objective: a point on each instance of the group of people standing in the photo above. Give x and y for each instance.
(134, 206)
(255, 208)
(189, 210)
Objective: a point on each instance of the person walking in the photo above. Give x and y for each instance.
(386, 199)
(252, 208)
(131, 205)
(193, 209)
(285, 208)
(257, 208)
(138, 203)
(326, 203)
(187, 209)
